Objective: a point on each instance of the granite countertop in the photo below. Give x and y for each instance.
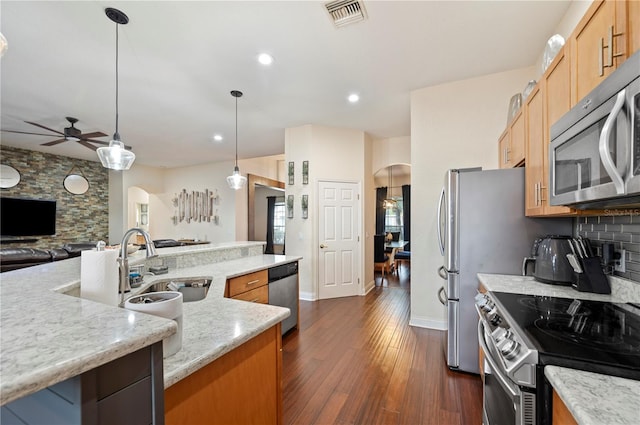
(590, 397)
(595, 399)
(47, 336)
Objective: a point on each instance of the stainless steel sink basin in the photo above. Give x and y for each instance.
(192, 288)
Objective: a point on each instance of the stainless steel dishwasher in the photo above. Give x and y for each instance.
(283, 291)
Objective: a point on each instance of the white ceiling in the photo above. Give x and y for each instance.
(179, 60)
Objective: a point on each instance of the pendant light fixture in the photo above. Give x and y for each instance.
(236, 180)
(115, 156)
(390, 203)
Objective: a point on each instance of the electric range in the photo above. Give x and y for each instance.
(521, 334)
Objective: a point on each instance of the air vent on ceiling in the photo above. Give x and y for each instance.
(345, 12)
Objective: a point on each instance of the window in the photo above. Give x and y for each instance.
(393, 218)
(279, 215)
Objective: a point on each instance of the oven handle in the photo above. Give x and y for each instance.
(603, 146)
(515, 394)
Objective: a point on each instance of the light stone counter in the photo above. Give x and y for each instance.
(622, 290)
(591, 398)
(595, 399)
(47, 336)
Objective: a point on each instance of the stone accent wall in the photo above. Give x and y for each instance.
(79, 218)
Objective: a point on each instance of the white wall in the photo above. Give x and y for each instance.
(334, 155)
(394, 150)
(453, 125)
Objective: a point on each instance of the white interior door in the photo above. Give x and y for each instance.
(339, 241)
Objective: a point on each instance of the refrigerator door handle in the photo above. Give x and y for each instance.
(440, 205)
(442, 273)
(441, 292)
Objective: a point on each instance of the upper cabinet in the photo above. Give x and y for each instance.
(608, 33)
(599, 43)
(512, 143)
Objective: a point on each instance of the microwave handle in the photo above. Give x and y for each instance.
(605, 155)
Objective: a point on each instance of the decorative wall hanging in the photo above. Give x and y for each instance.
(75, 183)
(291, 170)
(305, 206)
(196, 206)
(305, 172)
(290, 206)
(9, 176)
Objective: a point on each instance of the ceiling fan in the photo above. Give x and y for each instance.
(70, 133)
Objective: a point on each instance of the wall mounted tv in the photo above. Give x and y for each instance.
(27, 217)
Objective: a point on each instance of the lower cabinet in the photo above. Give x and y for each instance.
(560, 413)
(241, 387)
(128, 390)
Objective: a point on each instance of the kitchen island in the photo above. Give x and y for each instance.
(48, 335)
(589, 398)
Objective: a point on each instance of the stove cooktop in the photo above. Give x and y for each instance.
(596, 336)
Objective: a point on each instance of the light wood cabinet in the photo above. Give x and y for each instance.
(503, 150)
(599, 44)
(258, 295)
(548, 101)
(241, 284)
(512, 143)
(242, 387)
(560, 414)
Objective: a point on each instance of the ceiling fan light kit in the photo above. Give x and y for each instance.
(236, 180)
(115, 156)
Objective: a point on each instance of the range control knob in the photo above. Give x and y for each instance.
(510, 348)
(494, 317)
(500, 334)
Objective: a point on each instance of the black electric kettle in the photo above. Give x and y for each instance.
(549, 258)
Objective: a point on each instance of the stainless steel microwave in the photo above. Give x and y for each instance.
(594, 156)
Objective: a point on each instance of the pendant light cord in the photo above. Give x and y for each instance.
(236, 131)
(116, 136)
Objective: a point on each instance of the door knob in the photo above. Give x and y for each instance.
(322, 245)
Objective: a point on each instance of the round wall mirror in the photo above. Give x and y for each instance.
(9, 176)
(76, 184)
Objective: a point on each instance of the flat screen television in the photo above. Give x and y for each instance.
(27, 217)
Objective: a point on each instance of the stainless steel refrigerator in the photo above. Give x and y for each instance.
(482, 229)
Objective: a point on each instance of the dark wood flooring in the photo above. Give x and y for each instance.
(356, 360)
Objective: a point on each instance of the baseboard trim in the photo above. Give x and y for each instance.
(369, 287)
(423, 322)
(307, 296)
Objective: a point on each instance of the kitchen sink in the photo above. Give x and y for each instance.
(192, 288)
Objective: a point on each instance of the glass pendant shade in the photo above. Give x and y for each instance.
(390, 203)
(236, 180)
(115, 156)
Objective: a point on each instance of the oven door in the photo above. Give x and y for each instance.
(589, 161)
(504, 402)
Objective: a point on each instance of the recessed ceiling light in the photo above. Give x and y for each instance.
(353, 98)
(265, 59)
(217, 137)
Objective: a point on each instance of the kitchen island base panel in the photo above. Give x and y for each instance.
(243, 386)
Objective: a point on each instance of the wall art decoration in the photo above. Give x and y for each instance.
(290, 206)
(196, 206)
(291, 172)
(305, 172)
(305, 206)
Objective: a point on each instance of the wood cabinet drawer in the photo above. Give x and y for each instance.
(257, 295)
(247, 282)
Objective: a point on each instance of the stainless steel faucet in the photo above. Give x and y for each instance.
(123, 261)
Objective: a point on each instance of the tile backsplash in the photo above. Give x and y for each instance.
(622, 228)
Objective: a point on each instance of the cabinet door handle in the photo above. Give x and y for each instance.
(255, 300)
(601, 58)
(253, 282)
(611, 54)
(535, 194)
(542, 189)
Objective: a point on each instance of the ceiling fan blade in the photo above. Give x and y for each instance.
(46, 128)
(87, 144)
(27, 132)
(53, 142)
(94, 134)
